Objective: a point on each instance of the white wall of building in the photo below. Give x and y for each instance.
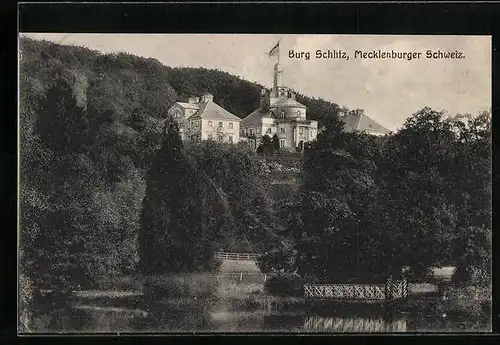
(211, 129)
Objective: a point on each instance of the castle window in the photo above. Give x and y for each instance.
(310, 133)
(210, 123)
(283, 114)
(282, 143)
(298, 113)
(177, 113)
(282, 130)
(301, 130)
(230, 125)
(230, 139)
(268, 130)
(250, 131)
(221, 124)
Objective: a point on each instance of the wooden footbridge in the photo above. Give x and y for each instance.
(237, 256)
(391, 290)
(243, 266)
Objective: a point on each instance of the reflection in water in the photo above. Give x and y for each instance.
(72, 320)
(199, 317)
(237, 321)
(353, 324)
(172, 317)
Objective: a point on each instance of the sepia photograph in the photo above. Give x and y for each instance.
(254, 183)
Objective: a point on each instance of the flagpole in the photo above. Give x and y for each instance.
(279, 41)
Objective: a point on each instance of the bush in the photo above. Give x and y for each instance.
(25, 302)
(123, 283)
(280, 261)
(214, 265)
(285, 285)
(199, 286)
(469, 293)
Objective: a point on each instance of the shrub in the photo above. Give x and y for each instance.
(199, 286)
(285, 285)
(280, 260)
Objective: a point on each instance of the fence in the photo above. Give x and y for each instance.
(389, 291)
(345, 291)
(244, 276)
(236, 256)
(353, 324)
(396, 289)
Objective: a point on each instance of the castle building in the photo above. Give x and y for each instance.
(279, 113)
(203, 119)
(356, 120)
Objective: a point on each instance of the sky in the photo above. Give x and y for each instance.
(389, 90)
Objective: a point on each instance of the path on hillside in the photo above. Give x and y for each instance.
(239, 278)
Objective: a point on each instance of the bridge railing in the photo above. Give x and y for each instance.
(236, 256)
(243, 276)
(391, 290)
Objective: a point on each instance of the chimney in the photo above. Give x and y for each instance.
(193, 100)
(207, 98)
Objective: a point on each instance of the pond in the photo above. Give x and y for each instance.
(94, 316)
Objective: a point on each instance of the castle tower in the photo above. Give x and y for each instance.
(278, 78)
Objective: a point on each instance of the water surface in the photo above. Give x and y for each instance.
(96, 317)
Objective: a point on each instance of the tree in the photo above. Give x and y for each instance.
(162, 204)
(62, 124)
(370, 206)
(275, 143)
(199, 197)
(266, 145)
(338, 188)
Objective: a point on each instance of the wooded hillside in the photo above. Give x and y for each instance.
(91, 125)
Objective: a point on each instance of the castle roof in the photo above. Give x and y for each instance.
(286, 102)
(361, 122)
(255, 117)
(188, 105)
(212, 111)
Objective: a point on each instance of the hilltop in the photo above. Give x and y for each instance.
(127, 82)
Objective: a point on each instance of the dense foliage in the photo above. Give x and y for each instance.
(420, 198)
(202, 198)
(106, 183)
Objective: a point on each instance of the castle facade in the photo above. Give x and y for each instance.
(281, 114)
(203, 119)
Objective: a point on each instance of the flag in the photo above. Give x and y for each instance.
(275, 50)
